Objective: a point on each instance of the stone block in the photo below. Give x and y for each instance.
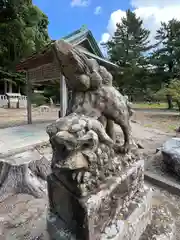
(171, 155)
(130, 226)
(88, 217)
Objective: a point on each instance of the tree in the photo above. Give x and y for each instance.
(173, 89)
(23, 31)
(166, 58)
(127, 49)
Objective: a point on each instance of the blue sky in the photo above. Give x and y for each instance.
(64, 18)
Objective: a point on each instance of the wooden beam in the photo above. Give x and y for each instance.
(43, 81)
(29, 98)
(63, 95)
(36, 60)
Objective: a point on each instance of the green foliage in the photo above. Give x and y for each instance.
(166, 58)
(145, 74)
(129, 42)
(38, 99)
(126, 49)
(53, 92)
(161, 94)
(23, 30)
(172, 89)
(150, 105)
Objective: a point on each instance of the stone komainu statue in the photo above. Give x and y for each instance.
(92, 92)
(94, 179)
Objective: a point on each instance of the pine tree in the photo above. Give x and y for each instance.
(166, 58)
(127, 49)
(23, 30)
(168, 53)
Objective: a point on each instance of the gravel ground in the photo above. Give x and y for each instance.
(163, 198)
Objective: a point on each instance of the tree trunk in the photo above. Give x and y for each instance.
(178, 105)
(24, 173)
(169, 101)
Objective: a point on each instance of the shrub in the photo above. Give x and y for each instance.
(38, 99)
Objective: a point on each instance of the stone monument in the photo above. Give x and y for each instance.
(96, 188)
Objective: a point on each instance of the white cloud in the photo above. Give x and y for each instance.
(103, 50)
(114, 19)
(80, 3)
(150, 3)
(98, 10)
(153, 12)
(105, 37)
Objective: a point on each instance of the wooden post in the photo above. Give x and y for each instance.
(10, 87)
(29, 97)
(5, 87)
(63, 95)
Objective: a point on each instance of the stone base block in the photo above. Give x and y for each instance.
(86, 218)
(113, 198)
(132, 224)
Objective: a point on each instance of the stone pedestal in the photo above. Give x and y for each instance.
(131, 225)
(118, 209)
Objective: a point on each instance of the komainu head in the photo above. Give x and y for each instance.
(82, 147)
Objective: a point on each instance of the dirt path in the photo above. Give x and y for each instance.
(16, 117)
(149, 138)
(166, 121)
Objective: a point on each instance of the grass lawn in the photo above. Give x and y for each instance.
(150, 106)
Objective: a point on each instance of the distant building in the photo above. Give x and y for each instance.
(43, 69)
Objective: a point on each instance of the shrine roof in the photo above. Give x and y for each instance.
(78, 37)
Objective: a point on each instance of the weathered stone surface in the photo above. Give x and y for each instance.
(87, 218)
(171, 155)
(171, 143)
(130, 226)
(92, 157)
(98, 98)
(95, 180)
(66, 215)
(25, 172)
